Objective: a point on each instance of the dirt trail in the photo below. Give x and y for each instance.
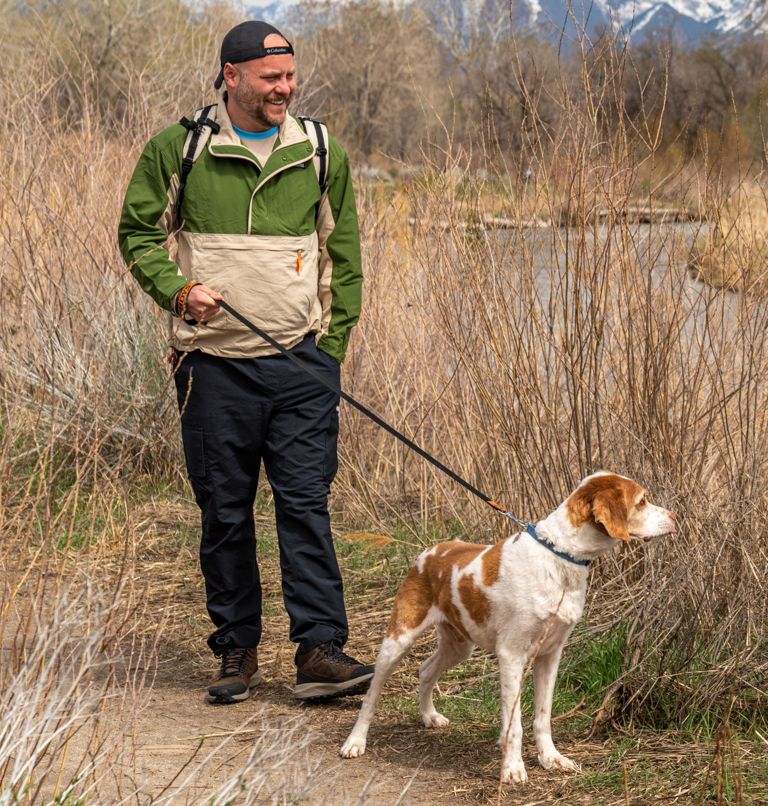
(174, 733)
(402, 754)
(437, 767)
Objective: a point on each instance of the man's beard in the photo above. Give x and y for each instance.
(257, 106)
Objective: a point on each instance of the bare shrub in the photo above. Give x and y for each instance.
(73, 682)
(62, 672)
(122, 67)
(526, 359)
(734, 252)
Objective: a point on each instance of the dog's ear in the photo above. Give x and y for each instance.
(601, 501)
(610, 510)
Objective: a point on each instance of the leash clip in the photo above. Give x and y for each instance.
(507, 514)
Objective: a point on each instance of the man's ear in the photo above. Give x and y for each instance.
(610, 510)
(231, 75)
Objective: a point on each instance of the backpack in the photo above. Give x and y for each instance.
(203, 124)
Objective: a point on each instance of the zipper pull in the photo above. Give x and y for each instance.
(298, 261)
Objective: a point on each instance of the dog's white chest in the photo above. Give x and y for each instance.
(566, 608)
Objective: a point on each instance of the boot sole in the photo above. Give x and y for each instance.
(229, 699)
(327, 691)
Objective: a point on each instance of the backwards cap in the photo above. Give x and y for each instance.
(245, 42)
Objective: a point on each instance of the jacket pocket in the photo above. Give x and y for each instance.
(271, 280)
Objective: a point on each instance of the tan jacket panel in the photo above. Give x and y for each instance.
(271, 280)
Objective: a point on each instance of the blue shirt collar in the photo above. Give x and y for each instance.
(246, 135)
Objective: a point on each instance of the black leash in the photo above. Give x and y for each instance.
(530, 528)
(372, 415)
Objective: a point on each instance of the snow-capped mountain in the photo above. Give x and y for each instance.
(272, 11)
(691, 19)
(688, 20)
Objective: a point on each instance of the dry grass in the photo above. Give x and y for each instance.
(734, 253)
(523, 359)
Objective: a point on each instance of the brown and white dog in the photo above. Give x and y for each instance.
(519, 599)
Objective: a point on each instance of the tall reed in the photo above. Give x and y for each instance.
(522, 358)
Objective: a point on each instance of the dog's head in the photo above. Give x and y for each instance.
(618, 507)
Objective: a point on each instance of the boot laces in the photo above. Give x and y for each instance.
(335, 654)
(232, 660)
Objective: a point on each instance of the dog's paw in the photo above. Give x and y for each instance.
(557, 761)
(352, 748)
(435, 720)
(514, 773)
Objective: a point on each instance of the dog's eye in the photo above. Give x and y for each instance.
(642, 502)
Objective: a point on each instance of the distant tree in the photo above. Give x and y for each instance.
(704, 91)
(123, 63)
(374, 73)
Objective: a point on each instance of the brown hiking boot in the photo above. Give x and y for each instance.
(325, 671)
(239, 671)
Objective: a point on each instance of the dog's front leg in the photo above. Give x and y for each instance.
(544, 676)
(511, 668)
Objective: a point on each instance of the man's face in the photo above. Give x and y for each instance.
(260, 90)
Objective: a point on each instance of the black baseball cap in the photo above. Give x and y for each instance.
(245, 42)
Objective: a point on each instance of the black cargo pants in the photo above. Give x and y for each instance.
(236, 412)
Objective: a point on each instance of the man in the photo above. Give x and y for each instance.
(255, 230)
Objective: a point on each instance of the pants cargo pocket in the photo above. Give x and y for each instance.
(331, 460)
(194, 453)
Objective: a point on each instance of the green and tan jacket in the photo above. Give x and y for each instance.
(262, 237)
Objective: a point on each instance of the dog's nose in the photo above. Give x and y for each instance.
(672, 520)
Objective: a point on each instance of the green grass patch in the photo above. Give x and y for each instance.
(589, 667)
(370, 563)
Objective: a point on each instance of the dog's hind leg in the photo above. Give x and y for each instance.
(410, 617)
(391, 653)
(452, 648)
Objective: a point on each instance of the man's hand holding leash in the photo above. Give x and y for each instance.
(202, 304)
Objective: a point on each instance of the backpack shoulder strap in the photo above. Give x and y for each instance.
(199, 129)
(317, 132)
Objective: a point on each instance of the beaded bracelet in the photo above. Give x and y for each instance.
(181, 298)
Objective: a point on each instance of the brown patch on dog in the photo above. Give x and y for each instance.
(491, 564)
(604, 502)
(412, 604)
(474, 600)
(432, 587)
(438, 567)
(455, 553)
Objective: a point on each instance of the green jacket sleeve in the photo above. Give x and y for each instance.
(343, 247)
(145, 222)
